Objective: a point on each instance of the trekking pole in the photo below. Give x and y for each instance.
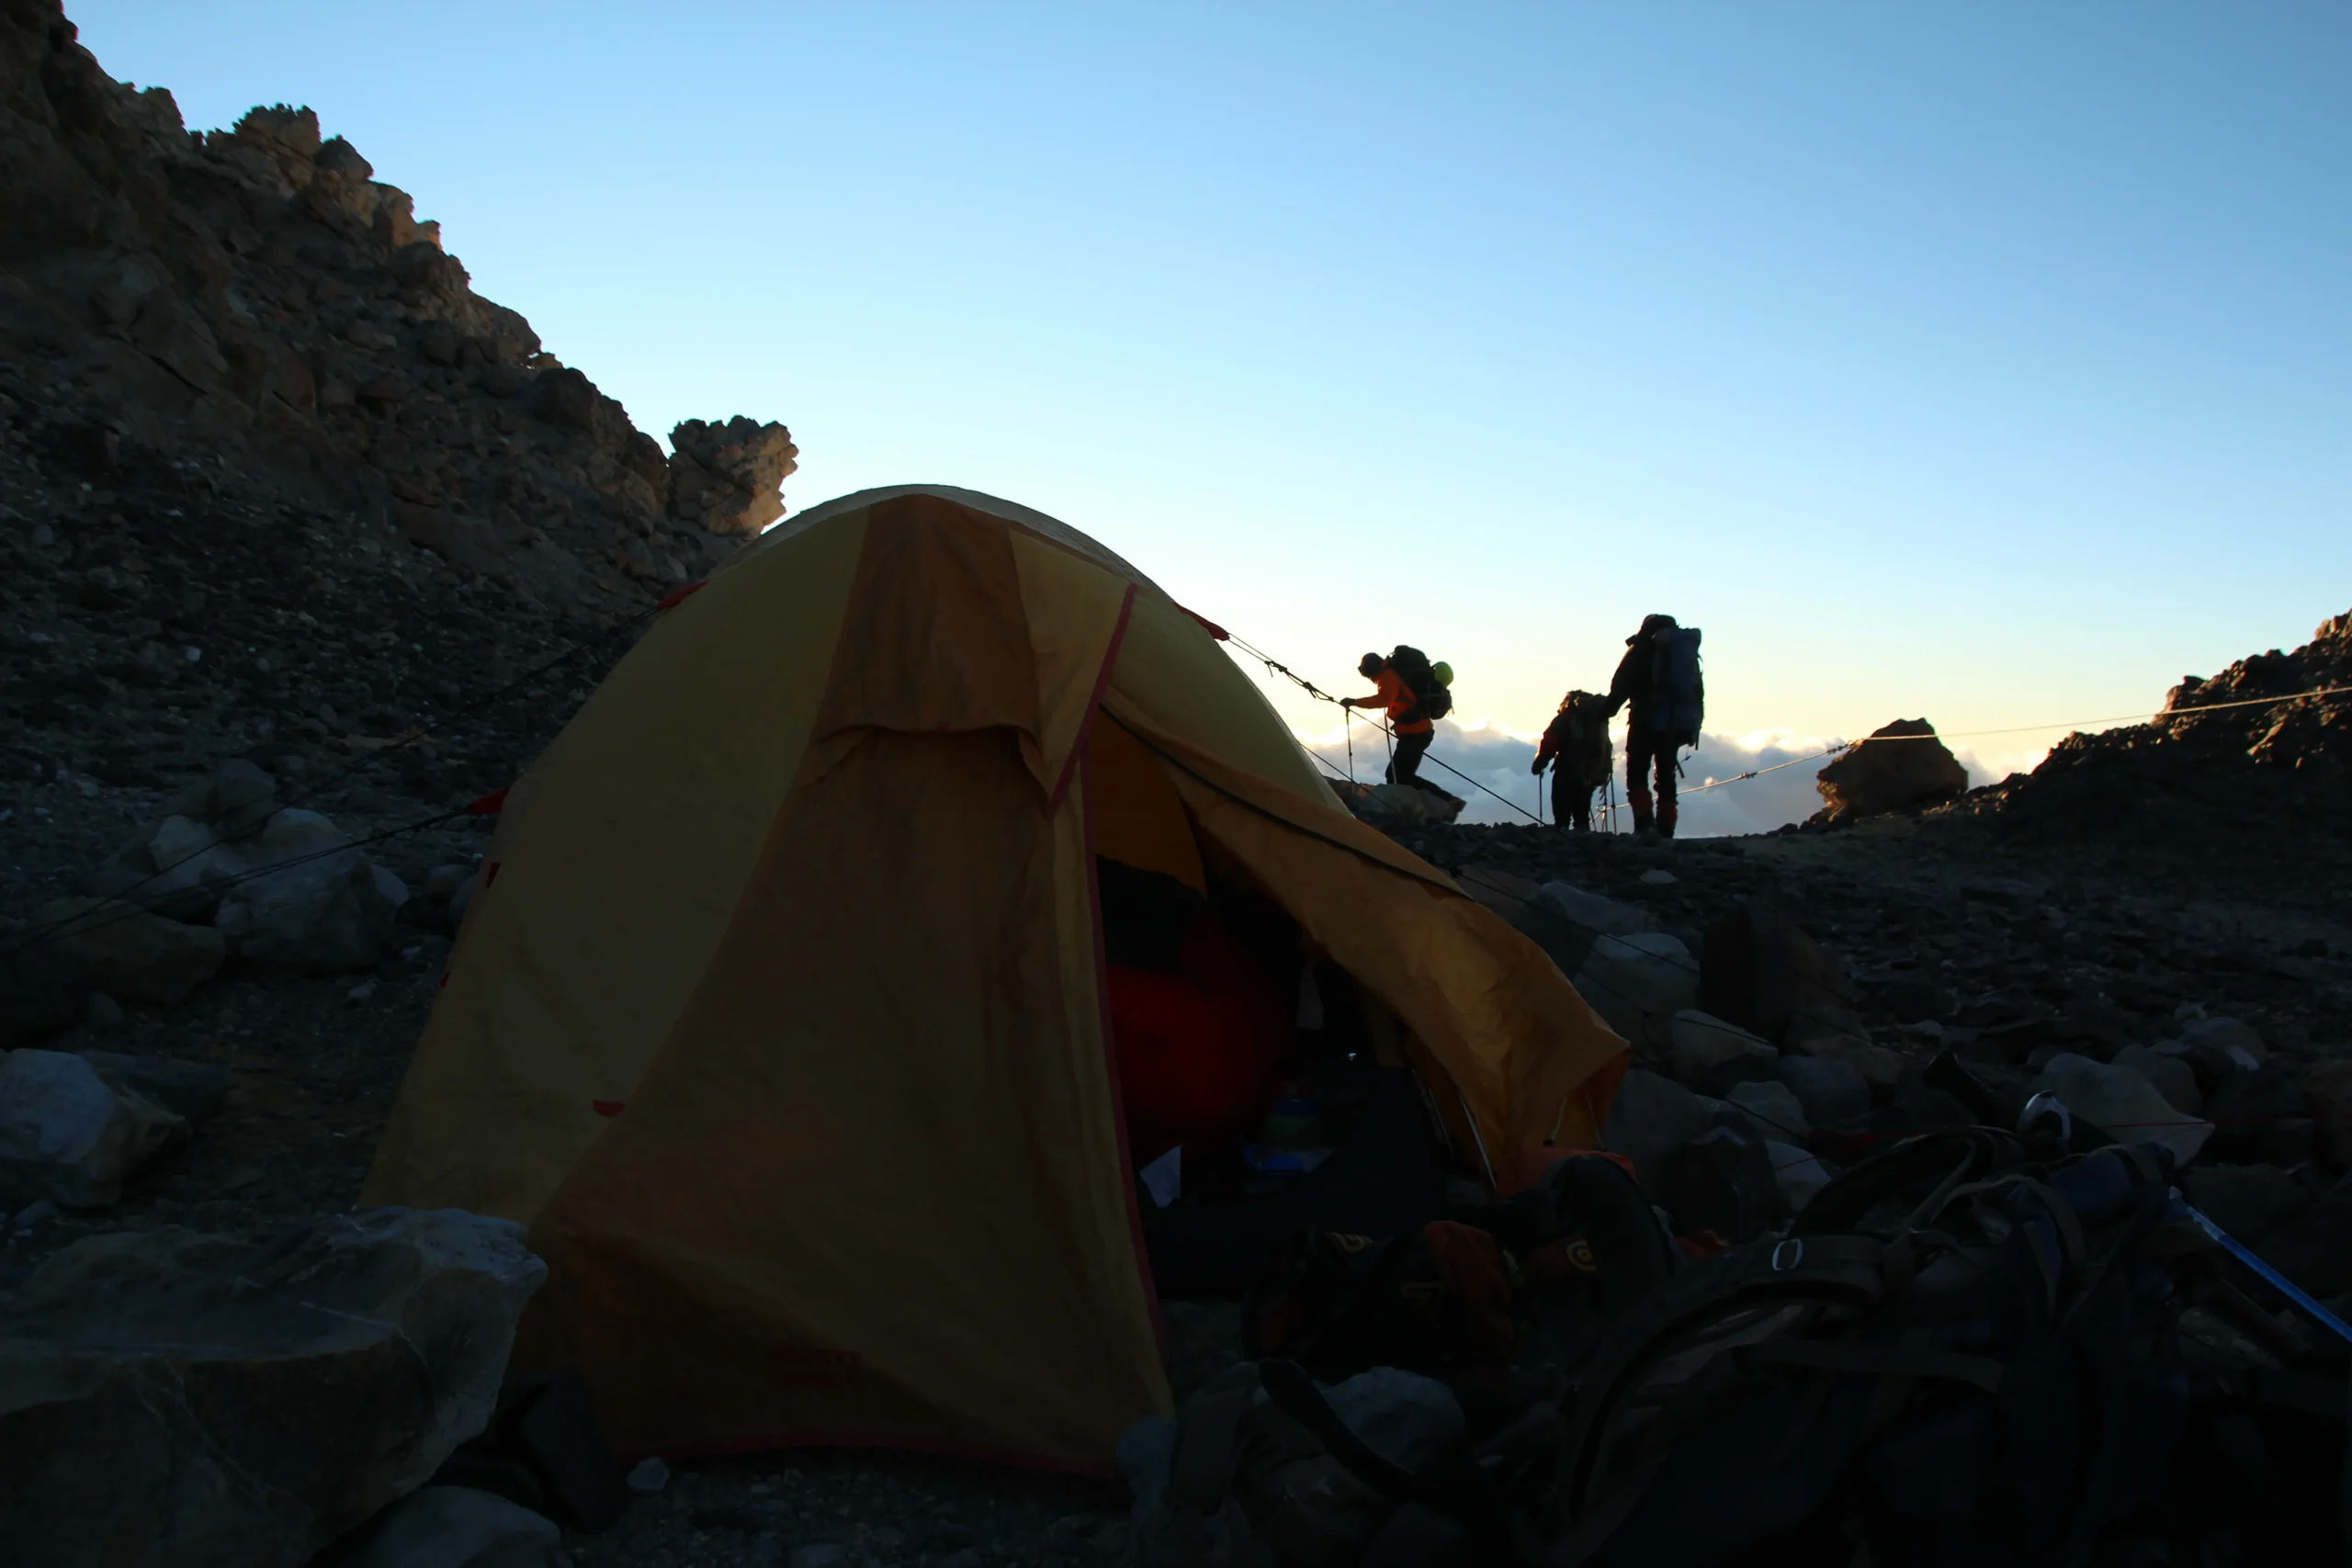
(1948, 1073)
(1347, 723)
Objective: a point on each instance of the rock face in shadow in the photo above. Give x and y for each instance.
(2244, 761)
(258, 292)
(167, 1397)
(1900, 766)
(726, 478)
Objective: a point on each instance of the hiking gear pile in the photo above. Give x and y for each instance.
(1966, 1349)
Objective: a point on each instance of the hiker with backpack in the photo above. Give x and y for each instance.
(1415, 699)
(1660, 678)
(1576, 744)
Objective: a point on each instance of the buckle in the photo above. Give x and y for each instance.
(1788, 1255)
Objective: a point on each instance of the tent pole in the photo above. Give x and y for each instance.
(1476, 1137)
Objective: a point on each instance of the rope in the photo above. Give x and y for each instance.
(1759, 772)
(1276, 667)
(126, 910)
(2163, 716)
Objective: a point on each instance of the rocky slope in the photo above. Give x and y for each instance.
(264, 448)
(2224, 774)
(275, 483)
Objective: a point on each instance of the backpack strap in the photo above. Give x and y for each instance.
(1889, 1361)
(1199, 1471)
(1845, 1273)
(1295, 1396)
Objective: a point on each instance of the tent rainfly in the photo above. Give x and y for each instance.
(780, 1014)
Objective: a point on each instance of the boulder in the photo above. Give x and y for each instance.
(2123, 1104)
(1759, 967)
(2247, 1108)
(1886, 1070)
(458, 1526)
(67, 1135)
(1565, 920)
(169, 1397)
(2315, 1251)
(194, 866)
(237, 796)
(1650, 1120)
(131, 955)
(178, 867)
(1899, 766)
(321, 911)
(42, 990)
(1796, 1174)
(442, 883)
(1637, 983)
(1776, 1112)
(2328, 1092)
(1710, 1055)
(1723, 1181)
(1602, 917)
(2250, 1202)
(1395, 807)
(2172, 1076)
(2240, 1043)
(727, 478)
(1809, 1027)
(195, 1090)
(1830, 1090)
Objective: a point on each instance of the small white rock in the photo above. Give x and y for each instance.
(362, 992)
(1660, 877)
(649, 1476)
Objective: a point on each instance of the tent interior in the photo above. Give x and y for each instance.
(1269, 1087)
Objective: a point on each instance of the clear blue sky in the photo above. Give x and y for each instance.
(1986, 362)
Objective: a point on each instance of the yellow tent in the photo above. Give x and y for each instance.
(778, 1011)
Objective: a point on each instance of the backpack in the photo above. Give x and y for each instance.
(1434, 1301)
(1952, 1358)
(1531, 1281)
(1578, 737)
(1413, 666)
(1679, 687)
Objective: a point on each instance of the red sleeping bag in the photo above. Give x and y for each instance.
(1202, 1051)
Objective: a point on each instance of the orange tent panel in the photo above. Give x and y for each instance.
(808, 890)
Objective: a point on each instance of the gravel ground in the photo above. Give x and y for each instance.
(315, 1062)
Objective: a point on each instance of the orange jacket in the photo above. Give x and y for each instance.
(1399, 698)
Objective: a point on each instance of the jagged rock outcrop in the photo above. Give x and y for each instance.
(2243, 758)
(726, 478)
(258, 292)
